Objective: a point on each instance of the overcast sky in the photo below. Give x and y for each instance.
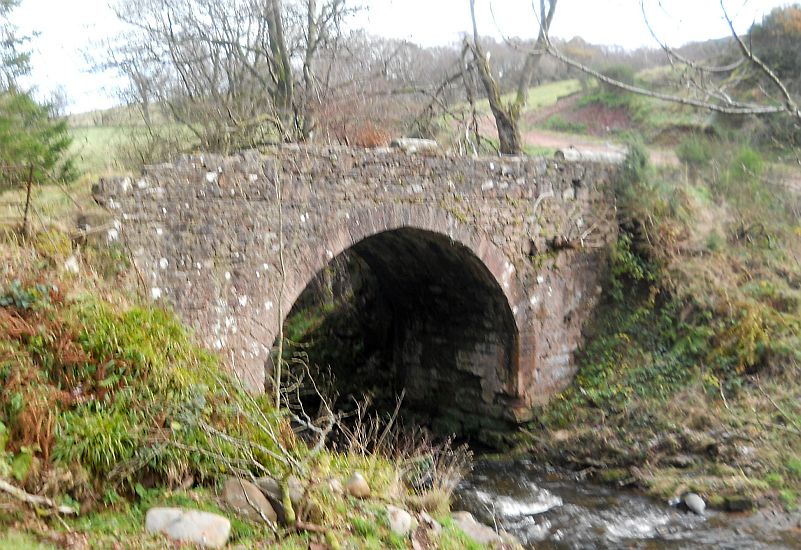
(67, 30)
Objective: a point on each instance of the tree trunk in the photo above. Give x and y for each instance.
(510, 140)
(307, 124)
(284, 96)
(507, 117)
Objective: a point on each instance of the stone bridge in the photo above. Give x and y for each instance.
(491, 265)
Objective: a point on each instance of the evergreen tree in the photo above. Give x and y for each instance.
(33, 140)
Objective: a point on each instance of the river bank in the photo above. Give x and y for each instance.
(546, 508)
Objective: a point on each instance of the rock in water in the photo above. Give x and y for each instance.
(481, 533)
(357, 486)
(247, 500)
(202, 528)
(400, 521)
(694, 503)
(738, 503)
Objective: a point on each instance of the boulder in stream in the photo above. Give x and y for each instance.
(694, 503)
(482, 534)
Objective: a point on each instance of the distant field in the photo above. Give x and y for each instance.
(96, 148)
(101, 150)
(548, 94)
(124, 115)
(541, 96)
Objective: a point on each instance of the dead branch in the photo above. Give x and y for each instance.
(748, 53)
(730, 108)
(35, 500)
(673, 54)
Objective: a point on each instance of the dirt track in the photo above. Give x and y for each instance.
(558, 140)
(580, 142)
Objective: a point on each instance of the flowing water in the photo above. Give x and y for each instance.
(551, 511)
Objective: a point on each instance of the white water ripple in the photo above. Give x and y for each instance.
(537, 501)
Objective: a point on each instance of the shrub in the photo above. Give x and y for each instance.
(635, 166)
(794, 466)
(97, 437)
(694, 150)
(559, 124)
(747, 164)
(776, 41)
(122, 391)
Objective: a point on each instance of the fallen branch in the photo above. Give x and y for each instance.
(311, 527)
(35, 500)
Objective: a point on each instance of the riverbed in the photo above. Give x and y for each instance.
(554, 510)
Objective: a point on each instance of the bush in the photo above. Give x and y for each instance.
(559, 124)
(121, 391)
(777, 41)
(635, 166)
(747, 164)
(694, 150)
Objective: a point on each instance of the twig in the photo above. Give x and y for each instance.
(748, 53)
(732, 108)
(280, 356)
(35, 500)
(311, 527)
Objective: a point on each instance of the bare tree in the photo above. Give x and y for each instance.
(699, 85)
(235, 73)
(507, 115)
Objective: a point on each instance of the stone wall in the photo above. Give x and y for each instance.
(511, 250)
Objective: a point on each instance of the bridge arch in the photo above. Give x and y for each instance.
(455, 332)
(204, 233)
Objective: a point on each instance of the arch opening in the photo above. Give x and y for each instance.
(410, 311)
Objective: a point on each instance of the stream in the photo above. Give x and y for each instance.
(548, 510)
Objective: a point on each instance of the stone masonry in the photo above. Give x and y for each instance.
(494, 265)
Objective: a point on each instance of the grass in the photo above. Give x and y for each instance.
(698, 336)
(150, 400)
(14, 540)
(559, 124)
(540, 96)
(95, 148)
(114, 150)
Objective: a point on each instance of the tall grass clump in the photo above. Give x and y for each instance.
(122, 391)
(695, 150)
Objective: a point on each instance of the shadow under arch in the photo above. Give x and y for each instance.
(452, 339)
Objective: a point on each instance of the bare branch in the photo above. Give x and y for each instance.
(732, 108)
(748, 53)
(34, 500)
